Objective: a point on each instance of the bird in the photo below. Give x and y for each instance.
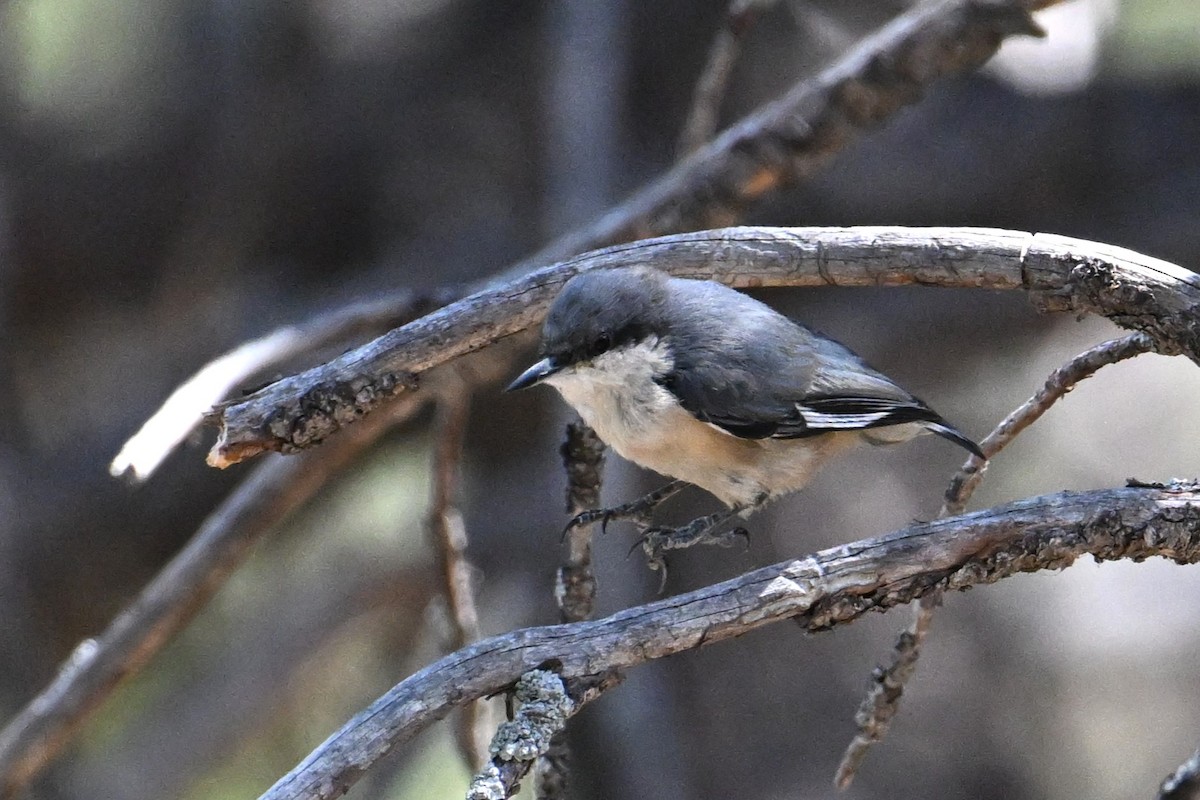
(713, 388)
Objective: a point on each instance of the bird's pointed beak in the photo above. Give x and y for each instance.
(534, 375)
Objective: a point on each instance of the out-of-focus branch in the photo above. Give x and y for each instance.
(888, 683)
(830, 588)
(184, 410)
(1183, 783)
(1059, 273)
(792, 137)
(39, 731)
(449, 536)
(701, 121)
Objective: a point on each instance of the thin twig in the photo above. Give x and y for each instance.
(888, 683)
(1061, 381)
(875, 713)
(32, 739)
(1183, 783)
(575, 586)
(830, 588)
(701, 121)
(449, 536)
(794, 136)
(1059, 273)
(583, 459)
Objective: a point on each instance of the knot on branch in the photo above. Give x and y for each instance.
(324, 408)
(1137, 304)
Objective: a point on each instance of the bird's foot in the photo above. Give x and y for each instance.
(638, 511)
(656, 541)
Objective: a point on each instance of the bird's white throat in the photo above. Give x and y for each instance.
(616, 392)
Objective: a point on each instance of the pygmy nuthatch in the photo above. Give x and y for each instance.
(711, 387)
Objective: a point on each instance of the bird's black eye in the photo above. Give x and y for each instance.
(603, 342)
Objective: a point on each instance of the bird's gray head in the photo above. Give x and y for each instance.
(596, 313)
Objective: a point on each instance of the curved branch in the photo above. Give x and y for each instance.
(768, 149)
(1059, 273)
(829, 588)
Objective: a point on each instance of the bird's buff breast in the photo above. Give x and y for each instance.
(645, 424)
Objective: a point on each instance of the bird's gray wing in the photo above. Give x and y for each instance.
(802, 384)
(760, 375)
(770, 415)
(775, 409)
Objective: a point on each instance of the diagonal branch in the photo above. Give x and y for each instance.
(184, 410)
(888, 683)
(37, 734)
(1059, 273)
(832, 587)
(1060, 382)
(792, 137)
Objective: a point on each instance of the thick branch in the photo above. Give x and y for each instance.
(770, 148)
(833, 587)
(1059, 273)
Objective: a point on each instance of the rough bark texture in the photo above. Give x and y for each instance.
(832, 587)
(1059, 273)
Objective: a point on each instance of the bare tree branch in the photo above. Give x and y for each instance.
(792, 137)
(1059, 273)
(184, 410)
(583, 459)
(778, 144)
(888, 683)
(449, 537)
(830, 588)
(575, 585)
(546, 705)
(1061, 381)
(701, 121)
(33, 738)
(876, 710)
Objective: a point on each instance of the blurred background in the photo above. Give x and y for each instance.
(178, 176)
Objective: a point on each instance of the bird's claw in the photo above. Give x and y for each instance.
(632, 512)
(656, 541)
(585, 518)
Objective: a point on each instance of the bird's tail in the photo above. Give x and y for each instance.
(946, 431)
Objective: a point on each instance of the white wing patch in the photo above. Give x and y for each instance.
(821, 419)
